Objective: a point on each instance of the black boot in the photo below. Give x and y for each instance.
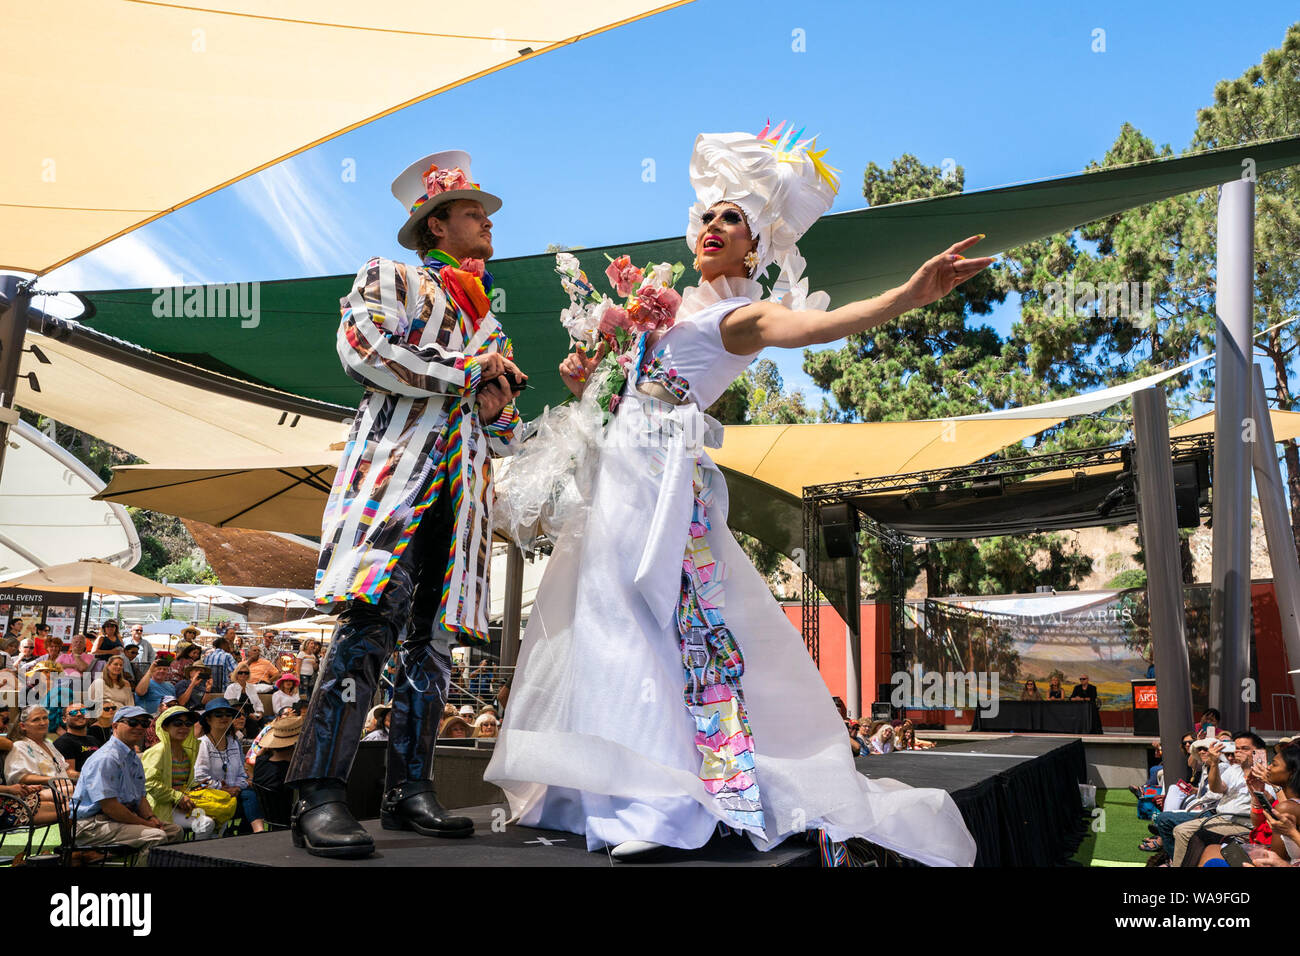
(413, 806)
(324, 826)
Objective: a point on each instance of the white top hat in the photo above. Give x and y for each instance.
(432, 181)
(781, 183)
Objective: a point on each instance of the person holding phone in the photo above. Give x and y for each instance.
(1226, 772)
(1274, 840)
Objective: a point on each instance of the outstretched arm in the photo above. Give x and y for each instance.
(761, 325)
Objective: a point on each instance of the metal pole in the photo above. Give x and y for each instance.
(13, 329)
(510, 636)
(853, 637)
(1230, 587)
(1277, 528)
(1158, 523)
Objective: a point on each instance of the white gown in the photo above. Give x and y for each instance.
(597, 738)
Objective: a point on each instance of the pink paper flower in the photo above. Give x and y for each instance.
(444, 180)
(612, 319)
(623, 276)
(656, 308)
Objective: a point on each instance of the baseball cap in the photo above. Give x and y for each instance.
(126, 713)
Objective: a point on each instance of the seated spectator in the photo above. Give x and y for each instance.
(455, 728)
(169, 766)
(271, 767)
(150, 692)
(1200, 804)
(33, 762)
(134, 669)
(907, 739)
(77, 657)
(76, 744)
(112, 685)
(102, 727)
(467, 713)
(1274, 832)
(27, 657)
(242, 694)
(882, 741)
(1030, 691)
(195, 687)
(1209, 718)
(6, 744)
(187, 655)
(486, 725)
(146, 651)
(1227, 777)
(286, 692)
(111, 801)
(220, 661)
(262, 672)
(221, 760)
(378, 720)
(107, 646)
(308, 664)
(1054, 691)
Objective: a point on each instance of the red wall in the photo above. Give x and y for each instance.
(1270, 652)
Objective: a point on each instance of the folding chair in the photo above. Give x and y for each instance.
(66, 809)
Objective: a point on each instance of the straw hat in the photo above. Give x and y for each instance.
(284, 732)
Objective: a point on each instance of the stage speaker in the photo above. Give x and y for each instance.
(1187, 493)
(880, 710)
(840, 530)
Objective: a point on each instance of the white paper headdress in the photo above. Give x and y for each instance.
(783, 186)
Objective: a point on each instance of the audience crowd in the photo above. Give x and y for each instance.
(1228, 799)
(136, 746)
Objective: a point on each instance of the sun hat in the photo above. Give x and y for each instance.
(217, 704)
(284, 732)
(434, 181)
(126, 713)
(287, 677)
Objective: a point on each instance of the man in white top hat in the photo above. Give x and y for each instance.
(406, 537)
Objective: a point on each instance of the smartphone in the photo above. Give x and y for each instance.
(1209, 732)
(1235, 855)
(1259, 760)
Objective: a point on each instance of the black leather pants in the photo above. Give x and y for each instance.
(364, 640)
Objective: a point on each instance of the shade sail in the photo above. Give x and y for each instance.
(161, 409)
(1286, 425)
(852, 255)
(83, 575)
(145, 106)
(47, 515)
(268, 494)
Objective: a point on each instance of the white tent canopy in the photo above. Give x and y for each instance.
(47, 515)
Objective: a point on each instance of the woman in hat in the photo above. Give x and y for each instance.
(272, 766)
(689, 699)
(169, 766)
(220, 760)
(286, 692)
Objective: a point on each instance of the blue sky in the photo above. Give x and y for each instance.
(1010, 91)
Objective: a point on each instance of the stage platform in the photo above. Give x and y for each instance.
(1019, 797)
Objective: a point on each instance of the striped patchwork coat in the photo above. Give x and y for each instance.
(417, 431)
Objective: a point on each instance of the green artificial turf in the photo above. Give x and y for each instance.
(1114, 832)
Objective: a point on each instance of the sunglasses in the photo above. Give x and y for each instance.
(110, 707)
(182, 721)
(136, 722)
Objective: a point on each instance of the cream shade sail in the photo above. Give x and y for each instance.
(160, 409)
(144, 106)
(1285, 425)
(789, 457)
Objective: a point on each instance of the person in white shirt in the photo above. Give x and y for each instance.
(1226, 776)
(286, 692)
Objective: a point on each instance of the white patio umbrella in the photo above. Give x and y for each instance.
(285, 599)
(215, 595)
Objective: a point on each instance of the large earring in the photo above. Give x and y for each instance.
(697, 263)
(751, 262)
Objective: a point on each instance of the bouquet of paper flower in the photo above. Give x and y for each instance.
(594, 321)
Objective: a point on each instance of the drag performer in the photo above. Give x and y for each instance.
(662, 693)
(406, 542)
